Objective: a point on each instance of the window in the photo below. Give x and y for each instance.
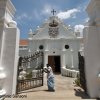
(66, 46)
(41, 47)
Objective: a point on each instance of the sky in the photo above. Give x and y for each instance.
(32, 13)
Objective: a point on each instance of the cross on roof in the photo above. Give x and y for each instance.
(53, 11)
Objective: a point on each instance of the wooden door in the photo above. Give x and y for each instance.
(51, 61)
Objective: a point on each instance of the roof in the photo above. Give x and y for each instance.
(23, 42)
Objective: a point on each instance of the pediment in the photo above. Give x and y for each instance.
(54, 28)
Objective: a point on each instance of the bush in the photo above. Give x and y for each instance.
(29, 76)
(77, 81)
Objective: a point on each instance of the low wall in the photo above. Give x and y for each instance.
(69, 72)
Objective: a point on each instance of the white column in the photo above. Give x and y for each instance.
(46, 45)
(2, 21)
(45, 59)
(10, 58)
(63, 60)
(72, 58)
(37, 46)
(1, 41)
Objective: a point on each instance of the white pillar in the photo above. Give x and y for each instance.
(45, 58)
(63, 60)
(72, 58)
(2, 21)
(46, 45)
(9, 46)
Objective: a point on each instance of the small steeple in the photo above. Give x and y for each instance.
(30, 34)
(30, 31)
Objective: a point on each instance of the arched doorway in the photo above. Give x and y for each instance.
(55, 63)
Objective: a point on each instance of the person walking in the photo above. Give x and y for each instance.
(50, 78)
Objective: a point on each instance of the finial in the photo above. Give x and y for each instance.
(53, 12)
(30, 31)
(38, 27)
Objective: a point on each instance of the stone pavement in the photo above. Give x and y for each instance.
(65, 90)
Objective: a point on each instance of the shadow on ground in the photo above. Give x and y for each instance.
(57, 73)
(82, 94)
(29, 91)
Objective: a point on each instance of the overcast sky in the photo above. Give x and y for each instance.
(32, 13)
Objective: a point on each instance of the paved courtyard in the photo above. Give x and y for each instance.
(65, 90)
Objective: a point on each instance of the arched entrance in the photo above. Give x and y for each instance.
(55, 62)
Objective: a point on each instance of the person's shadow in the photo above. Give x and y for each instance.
(82, 94)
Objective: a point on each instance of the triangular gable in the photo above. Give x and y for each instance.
(63, 31)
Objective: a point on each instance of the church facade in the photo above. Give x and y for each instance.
(59, 43)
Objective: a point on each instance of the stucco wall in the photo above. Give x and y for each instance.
(57, 47)
(92, 49)
(10, 59)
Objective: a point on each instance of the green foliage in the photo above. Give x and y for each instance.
(77, 81)
(29, 76)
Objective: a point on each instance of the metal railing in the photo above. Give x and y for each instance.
(30, 72)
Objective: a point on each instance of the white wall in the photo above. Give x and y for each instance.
(58, 46)
(23, 52)
(92, 61)
(9, 46)
(10, 59)
(92, 49)
(65, 36)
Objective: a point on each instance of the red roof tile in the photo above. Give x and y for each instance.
(23, 42)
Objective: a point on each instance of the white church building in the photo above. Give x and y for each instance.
(59, 43)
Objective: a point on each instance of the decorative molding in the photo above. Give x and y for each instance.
(53, 28)
(53, 31)
(53, 24)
